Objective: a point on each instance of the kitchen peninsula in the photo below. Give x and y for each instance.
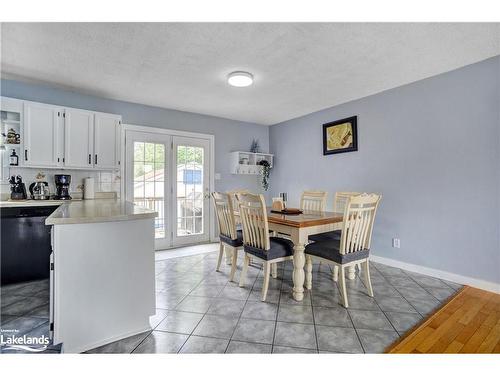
(102, 284)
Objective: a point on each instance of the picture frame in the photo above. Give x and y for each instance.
(340, 136)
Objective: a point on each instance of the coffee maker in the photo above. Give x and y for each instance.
(62, 186)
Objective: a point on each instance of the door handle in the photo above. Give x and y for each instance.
(26, 155)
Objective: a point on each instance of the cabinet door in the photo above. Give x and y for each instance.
(106, 141)
(78, 138)
(41, 134)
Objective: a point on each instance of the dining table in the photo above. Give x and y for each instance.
(299, 227)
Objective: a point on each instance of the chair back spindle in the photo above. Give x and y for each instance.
(313, 200)
(253, 216)
(341, 198)
(359, 215)
(225, 214)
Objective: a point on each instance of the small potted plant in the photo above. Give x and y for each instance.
(265, 171)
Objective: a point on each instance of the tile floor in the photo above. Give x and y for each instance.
(199, 311)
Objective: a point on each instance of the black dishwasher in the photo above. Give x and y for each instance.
(25, 244)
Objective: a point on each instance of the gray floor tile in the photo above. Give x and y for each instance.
(227, 307)
(260, 310)
(441, 294)
(403, 321)
(23, 306)
(180, 322)
(273, 296)
(123, 346)
(217, 326)
(40, 312)
(425, 306)
(369, 319)
(295, 335)
(167, 300)
(289, 350)
(4, 319)
(251, 330)
(331, 298)
(327, 316)
(206, 290)
(376, 341)
(22, 325)
(197, 344)
(397, 304)
(453, 285)
(157, 318)
(161, 342)
(9, 299)
(287, 297)
(248, 348)
(401, 281)
(338, 339)
(195, 304)
(295, 313)
(233, 291)
(414, 293)
(387, 270)
(427, 281)
(362, 302)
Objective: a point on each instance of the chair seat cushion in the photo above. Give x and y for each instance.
(326, 236)
(330, 250)
(234, 243)
(280, 247)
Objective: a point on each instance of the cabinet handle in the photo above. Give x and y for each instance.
(90, 159)
(26, 155)
(95, 159)
(58, 160)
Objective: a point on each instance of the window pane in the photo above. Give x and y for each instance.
(159, 189)
(138, 190)
(149, 174)
(138, 151)
(159, 171)
(198, 225)
(159, 153)
(149, 152)
(138, 171)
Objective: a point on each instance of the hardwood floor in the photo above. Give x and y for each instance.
(468, 323)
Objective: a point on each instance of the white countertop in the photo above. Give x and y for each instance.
(97, 211)
(87, 211)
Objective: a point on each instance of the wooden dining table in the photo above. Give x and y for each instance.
(299, 228)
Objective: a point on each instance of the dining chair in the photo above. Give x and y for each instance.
(257, 243)
(353, 247)
(313, 200)
(230, 237)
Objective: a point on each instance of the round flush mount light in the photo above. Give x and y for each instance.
(240, 79)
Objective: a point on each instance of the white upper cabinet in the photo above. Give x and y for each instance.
(78, 138)
(40, 133)
(60, 137)
(106, 140)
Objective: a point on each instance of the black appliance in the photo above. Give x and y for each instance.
(62, 186)
(17, 188)
(25, 244)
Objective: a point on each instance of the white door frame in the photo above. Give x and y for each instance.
(171, 132)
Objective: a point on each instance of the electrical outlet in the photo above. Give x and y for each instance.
(396, 243)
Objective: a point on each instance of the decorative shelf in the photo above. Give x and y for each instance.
(244, 162)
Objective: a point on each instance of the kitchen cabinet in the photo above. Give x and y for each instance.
(106, 140)
(78, 138)
(40, 133)
(61, 137)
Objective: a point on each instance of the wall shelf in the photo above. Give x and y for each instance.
(244, 162)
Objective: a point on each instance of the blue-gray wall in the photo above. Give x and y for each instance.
(432, 148)
(229, 135)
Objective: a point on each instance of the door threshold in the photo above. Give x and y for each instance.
(187, 250)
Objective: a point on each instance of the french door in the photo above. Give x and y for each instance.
(170, 174)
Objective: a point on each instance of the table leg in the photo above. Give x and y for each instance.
(309, 267)
(351, 272)
(298, 272)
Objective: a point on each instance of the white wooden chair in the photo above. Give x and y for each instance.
(256, 240)
(313, 200)
(231, 239)
(354, 244)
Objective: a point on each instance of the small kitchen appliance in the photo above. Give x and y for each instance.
(62, 186)
(17, 188)
(39, 190)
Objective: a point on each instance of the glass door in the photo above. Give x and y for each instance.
(191, 192)
(147, 179)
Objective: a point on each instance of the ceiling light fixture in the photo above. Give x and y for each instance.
(240, 79)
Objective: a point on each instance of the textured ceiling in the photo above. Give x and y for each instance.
(298, 67)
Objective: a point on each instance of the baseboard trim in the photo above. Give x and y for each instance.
(459, 279)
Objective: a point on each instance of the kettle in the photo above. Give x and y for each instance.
(39, 190)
